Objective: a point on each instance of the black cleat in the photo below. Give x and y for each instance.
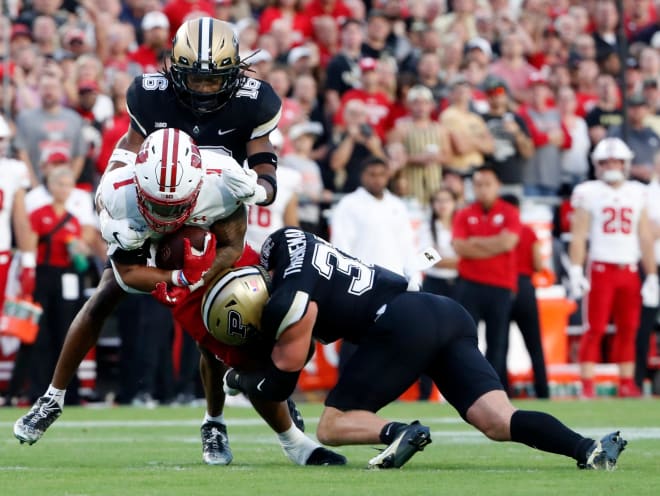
(411, 440)
(603, 454)
(296, 416)
(323, 456)
(31, 426)
(215, 444)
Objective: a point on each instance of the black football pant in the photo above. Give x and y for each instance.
(525, 313)
(491, 304)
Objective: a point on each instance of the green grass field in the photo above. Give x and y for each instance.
(132, 451)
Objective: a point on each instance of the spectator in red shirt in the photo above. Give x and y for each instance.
(178, 11)
(290, 14)
(115, 127)
(334, 8)
(484, 236)
(524, 311)
(155, 31)
(377, 103)
(61, 255)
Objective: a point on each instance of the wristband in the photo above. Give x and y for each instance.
(28, 260)
(262, 158)
(179, 279)
(123, 156)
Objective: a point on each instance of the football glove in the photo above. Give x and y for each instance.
(578, 285)
(243, 185)
(651, 291)
(230, 383)
(195, 264)
(120, 232)
(169, 297)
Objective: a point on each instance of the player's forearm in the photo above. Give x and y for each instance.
(225, 258)
(465, 248)
(141, 277)
(577, 249)
(496, 244)
(646, 248)
(267, 179)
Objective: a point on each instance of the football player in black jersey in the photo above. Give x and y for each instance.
(206, 93)
(305, 289)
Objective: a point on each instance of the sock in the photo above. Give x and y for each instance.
(542, 431)
(56, 394)
(296, 445)
(220, 419)
(390, 431)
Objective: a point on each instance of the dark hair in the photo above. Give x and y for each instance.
(434, 216)
(371, 161)
(511, 199)
(488, 168)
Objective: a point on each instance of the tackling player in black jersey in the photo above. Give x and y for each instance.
(207, 94)
(313, 291)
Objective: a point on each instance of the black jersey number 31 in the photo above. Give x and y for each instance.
(326, 258)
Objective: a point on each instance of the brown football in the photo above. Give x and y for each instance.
(169, 254)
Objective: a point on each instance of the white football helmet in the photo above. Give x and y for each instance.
(168, 177)
(233, 304)
(612, 148)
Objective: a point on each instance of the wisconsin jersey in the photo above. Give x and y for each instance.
(119, 198)
(614, 226)
(253, 111)
(263, 220)
(350, 294)
(13, 177)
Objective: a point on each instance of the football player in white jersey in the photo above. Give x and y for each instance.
(264, 220)
(207, 93)
(14, 181)
(611, 214)
(169, 187)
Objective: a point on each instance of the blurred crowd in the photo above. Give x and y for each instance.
(431, 90)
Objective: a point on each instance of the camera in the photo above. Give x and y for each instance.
(366, 131)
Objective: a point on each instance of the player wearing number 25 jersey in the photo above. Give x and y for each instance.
(611, 213)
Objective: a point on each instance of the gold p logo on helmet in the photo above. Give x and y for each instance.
(233, 304)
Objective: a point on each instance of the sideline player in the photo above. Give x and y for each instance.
(206, 94)
(320, 293)
(14, 181)
(611, 212)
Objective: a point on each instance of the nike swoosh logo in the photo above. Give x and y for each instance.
(227, 131)
(261, 383)
(116, 236)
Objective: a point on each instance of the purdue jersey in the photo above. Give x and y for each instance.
(253, 111)
(614, 213)
(119, 200)
(349, 293)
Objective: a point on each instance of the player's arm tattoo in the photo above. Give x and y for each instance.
(230, 239)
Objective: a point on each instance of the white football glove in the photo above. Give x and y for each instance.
(120, 232)
(243, 185)
(578, 285)
(651, 291)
